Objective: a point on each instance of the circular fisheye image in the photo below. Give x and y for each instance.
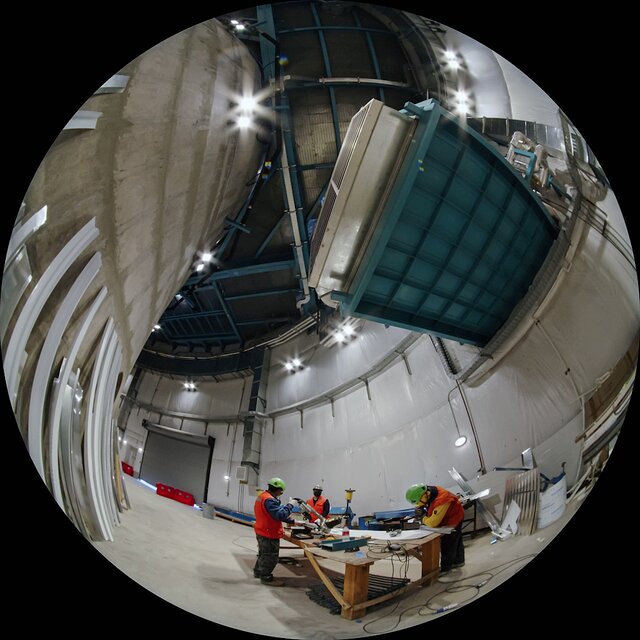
(320, 319)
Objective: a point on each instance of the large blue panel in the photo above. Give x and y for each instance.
(460, 240)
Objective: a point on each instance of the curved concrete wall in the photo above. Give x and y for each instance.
(159, 173)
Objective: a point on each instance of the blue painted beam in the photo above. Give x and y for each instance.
(294, 84)
(314, 167)
(327, 69)
(221, 338)
(270, 235)
(226, 309)
(237, 225)
(320, 28)
(287, 132)
(372, 51)
(241, 270)
(320, 196)
(191, 316)
(246, 323)
(260, 294)
(264, 14)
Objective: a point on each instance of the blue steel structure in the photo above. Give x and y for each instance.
(459, 241)
(215, 309)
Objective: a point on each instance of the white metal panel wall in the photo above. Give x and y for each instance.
(499, 89)
(598, 314)
(326, 368)
(218, 486)
(405, 434)
(528, 100)
(209, 399)
(487, 82)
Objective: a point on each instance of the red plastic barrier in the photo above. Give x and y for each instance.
(164, 490)
(184, 497)
(127, 468)
(175, 494)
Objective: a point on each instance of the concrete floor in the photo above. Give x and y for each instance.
(204, 566)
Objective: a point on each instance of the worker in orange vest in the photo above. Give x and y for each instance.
(319, 503)
(270, 514)
(438, 507)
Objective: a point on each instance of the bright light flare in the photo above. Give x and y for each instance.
(244, 122)
(248, 104)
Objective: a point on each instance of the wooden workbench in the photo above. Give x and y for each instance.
(354, 600)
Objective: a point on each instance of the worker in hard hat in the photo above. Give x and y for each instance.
(319, 503)
(270, 514)
(438, 507)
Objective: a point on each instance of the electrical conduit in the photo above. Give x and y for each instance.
(291, 210)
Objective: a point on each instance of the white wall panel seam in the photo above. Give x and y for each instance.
(37, 300)
(42, 376)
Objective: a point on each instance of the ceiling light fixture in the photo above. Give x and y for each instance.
(244, 122)
(156, 327)
(207, 257)
(248, 103)
(293, 365)
(240, 27)
(200, 267)
(340, 336)
(450, 55)
(460, 441)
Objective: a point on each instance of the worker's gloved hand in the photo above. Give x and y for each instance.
(293, 502)
(419, 511)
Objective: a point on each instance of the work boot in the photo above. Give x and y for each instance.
(457, 565)
(256, 574)
(272, 582)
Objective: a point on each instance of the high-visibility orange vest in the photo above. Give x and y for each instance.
(317, 506)
(265, 525)
(454, 514)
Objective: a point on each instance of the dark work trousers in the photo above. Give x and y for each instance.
(451, 549)
(268, 550)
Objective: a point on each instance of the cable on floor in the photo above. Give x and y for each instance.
(454, 588)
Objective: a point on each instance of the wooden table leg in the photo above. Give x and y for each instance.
(356, 590)
(430, 552)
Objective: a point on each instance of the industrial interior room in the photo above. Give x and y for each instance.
(342, 247)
